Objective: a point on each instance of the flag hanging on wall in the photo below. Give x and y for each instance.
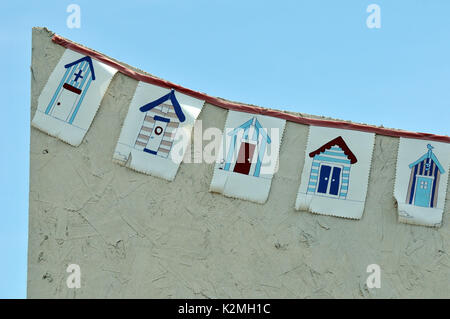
(421, 181)
(336, 172)
(71, 97)
(157, 130)
(248, 156)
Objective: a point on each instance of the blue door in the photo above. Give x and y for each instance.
(329, 179)
(324, 177)
(335, 179)
(423, 191)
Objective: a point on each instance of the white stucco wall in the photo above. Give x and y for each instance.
(137, 236)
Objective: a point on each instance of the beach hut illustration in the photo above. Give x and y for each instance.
(72, 88)
(424, 180)
(159, 126)
(330, 169)
(246, 150)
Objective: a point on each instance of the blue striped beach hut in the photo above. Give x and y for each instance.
(247, 148)
(424, 180)
(72, 88)
(330, 169)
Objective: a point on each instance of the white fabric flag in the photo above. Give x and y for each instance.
(248, 156)
(421, 181)
(71, 97)
(336, 172)
(157, 130)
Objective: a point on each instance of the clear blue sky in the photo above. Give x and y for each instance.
(315, 57)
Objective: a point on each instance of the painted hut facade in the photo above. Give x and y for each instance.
(139, 236)
(330, 169)
(69, 95)
(247, 148)
(158, 129)
(424, 180)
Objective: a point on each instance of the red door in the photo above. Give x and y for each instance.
(245, 156)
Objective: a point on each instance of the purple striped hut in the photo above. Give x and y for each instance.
(424, 180)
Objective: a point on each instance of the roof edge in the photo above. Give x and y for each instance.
(242, 107)
(339, 141)
(433, 158)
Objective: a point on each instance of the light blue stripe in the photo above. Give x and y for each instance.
(312, 183)
(330, 159)
(344, 187)
(79, 102)
(261, 151)
(346, 168)
(47, 110)
(336, 148)
(87, 75)
(230, 153)
(262, 132)
(315, 164)
(79, 66)
(72, 70)
(82, 66)
(256, 134)
(246, 132)
(311, 190)
(314, 171)
(80, 84)
(313, 177)
(334, 153)
(345, 175)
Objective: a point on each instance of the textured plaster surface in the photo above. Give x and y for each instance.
(136, 236)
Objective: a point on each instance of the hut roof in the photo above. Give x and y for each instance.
(427, 155)
(169, 96)
(339, 141)
(88, 60)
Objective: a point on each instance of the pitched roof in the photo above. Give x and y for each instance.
(86, 58)
(339, 141)
(170, 96)
(431, 155)
(258, 128)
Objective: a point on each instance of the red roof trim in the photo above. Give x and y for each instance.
(339, 141)
(242, 107)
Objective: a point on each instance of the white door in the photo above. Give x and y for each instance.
(156, 137)
(64, 104)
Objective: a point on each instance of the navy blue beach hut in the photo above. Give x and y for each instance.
(72, 88)
(159, 126)
(330, 169)
(424, 180)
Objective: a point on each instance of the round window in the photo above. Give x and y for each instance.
(158, 130)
